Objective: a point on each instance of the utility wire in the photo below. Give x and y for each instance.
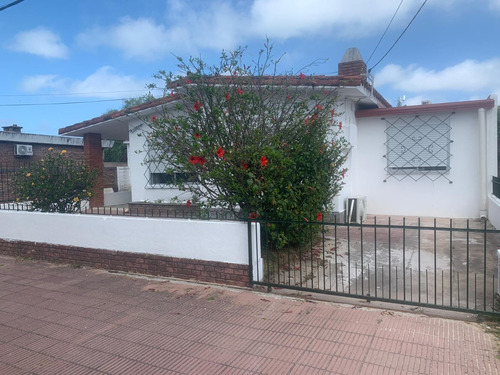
(397, 40)
(11, 4)
(61, 103)
(73, 93)
(387, 28)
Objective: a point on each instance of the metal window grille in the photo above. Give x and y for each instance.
(418, 147)
(159, 175)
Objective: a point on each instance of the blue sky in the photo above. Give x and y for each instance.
(97, 52)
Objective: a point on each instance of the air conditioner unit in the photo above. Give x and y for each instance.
(23, 150)
(356, 209)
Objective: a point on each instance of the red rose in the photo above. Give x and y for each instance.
(220, 152)
(302, 76)
(263, 161)
(197, 106)
(188, 203)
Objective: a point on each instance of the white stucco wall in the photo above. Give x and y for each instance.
(220, 241)
(141, 191)
(424, 197)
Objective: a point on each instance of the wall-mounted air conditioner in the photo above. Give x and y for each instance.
(23, 150)
(355, 209)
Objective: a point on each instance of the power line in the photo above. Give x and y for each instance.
(397, 40)
(11, 4)
(61, 103)
(387, 28)
(72, 93)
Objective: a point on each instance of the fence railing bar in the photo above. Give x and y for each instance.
(404, 259)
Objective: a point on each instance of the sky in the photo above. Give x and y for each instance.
(64, 62)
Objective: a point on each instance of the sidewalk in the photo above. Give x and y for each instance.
(64, 320)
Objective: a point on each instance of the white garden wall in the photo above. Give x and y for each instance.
(219, 241)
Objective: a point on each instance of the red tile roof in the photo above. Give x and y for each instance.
(312, 81)
(123, 112)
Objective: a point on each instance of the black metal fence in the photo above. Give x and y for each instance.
(170, 213)
(7, 172)
(442, 263)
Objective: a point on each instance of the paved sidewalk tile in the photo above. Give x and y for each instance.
(59, 320)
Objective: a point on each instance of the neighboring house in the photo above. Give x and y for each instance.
(426, 160)
(19, 149)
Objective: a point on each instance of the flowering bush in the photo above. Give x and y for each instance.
(262, 145)
(56, 183)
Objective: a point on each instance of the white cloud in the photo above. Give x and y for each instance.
(467, 76)
(38, 82)
(494, 5)
(136, 38)
(223, 24)
(41, 42)
(104, 83)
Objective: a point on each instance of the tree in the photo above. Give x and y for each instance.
(259, 144)
(117, 153)
(55, 184)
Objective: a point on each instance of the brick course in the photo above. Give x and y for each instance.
(149, 264)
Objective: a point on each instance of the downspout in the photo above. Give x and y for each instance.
(483, 150)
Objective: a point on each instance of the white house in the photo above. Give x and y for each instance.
(426, 160)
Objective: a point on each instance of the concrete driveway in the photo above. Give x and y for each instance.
(58, 319)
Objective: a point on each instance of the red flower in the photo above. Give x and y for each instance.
(239, 91)
(228, 97)
(153, 118)
(220, 152)
(197, 160)
(288, 97)
(172, 94)
(333, 112)
(343, 173)
(188, 81)
(263, 161)
(319, 217)
(306, 121)
(319, 107)
(188, 203)
(340, 125)
(197, 135)
(244, 165)
(197, 106)
(253, 215)
(302, 76)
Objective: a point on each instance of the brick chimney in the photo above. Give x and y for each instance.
(352, 63)
(12, 128)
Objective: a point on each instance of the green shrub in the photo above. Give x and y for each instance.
(56, 183)
(263, 145)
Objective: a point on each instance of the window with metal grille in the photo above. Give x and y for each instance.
(418, 147)
(159, 174)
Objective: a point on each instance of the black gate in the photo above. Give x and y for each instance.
(443, 263)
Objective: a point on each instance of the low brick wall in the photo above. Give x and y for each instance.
(155, 265)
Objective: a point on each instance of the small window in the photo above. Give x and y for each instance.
(165, 179)
(418, 147)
